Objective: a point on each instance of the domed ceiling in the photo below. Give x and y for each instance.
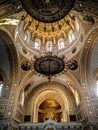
(60, 37)
(49, 27)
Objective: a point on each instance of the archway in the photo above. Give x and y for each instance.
(44, 113)
(54, 91)
(8, 61)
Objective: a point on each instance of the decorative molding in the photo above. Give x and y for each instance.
(14, 70)
(85, 72)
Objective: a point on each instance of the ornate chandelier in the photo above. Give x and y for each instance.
(48, 11)
(51, 65)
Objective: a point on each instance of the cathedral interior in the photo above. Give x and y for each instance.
(48, 65)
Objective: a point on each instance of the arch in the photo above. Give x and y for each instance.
(37, 85)
(55, 88)
(86, 54)
(12, 54)
(53, 95)
(84, 67)
(29, 77)
(11, 50)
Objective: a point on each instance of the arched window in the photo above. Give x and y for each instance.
(71, 36)
(37, 43)
(1, 88)
(49, 46)
(26, 37)
(1, 85)
(61, 43)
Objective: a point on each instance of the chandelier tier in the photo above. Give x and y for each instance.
(49, 65)
(48, 11)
